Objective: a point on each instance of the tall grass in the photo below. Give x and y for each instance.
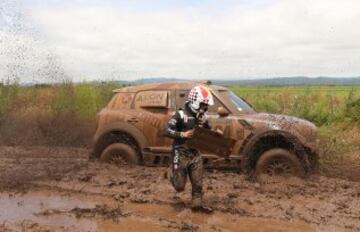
(62, 114)
(323, 105)
(352, 107)
(8, 92)
(83, 100)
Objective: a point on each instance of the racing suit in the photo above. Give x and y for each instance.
(185, 161)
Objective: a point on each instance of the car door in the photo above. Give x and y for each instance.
(154, 108)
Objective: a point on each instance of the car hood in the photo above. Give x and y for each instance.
(283, 122)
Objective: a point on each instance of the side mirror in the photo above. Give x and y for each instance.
(222, 112)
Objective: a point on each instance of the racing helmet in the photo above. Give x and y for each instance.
(200, 94)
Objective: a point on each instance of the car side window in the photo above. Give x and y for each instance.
(214, 108)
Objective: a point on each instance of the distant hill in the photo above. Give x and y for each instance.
(285, 81)
(277, 81)
(151, 80)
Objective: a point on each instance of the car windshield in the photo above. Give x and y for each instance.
(240, 104)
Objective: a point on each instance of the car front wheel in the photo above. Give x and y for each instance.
(119, 154)
(279, 162)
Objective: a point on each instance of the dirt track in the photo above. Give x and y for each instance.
(57, 189)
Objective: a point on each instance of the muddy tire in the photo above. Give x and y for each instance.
(279, 161)
(119, 154)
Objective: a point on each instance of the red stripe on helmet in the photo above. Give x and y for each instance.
(204, 92)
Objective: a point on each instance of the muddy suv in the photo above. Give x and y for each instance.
(130, 130)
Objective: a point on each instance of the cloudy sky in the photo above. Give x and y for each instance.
(191, 39)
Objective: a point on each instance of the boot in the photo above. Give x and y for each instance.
(197, 206)
(196, 203)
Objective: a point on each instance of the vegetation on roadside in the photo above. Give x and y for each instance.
(61, 114)
(322, 105)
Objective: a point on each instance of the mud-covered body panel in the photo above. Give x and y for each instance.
(303, 130)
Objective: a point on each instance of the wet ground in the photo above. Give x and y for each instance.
(57, 189)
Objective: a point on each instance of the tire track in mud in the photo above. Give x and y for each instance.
(318, 202)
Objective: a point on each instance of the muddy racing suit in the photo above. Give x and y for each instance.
(185, 161)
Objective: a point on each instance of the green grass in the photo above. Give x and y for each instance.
(323, 105)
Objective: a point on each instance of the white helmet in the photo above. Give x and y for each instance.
(200, 94)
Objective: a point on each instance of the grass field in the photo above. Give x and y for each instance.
(64, 114)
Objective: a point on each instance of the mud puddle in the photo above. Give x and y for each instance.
(63, 212)
(58, 211)
(215, 221)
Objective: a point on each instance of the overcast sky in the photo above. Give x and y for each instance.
(193, 39)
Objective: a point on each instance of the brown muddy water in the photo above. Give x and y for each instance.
(65, 212)
(75, 212)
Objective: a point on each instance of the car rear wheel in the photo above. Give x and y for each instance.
(119, 154)
(279, 162)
